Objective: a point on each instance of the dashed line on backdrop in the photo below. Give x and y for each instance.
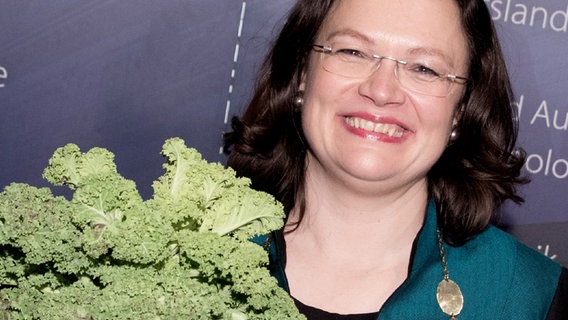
(234, 70)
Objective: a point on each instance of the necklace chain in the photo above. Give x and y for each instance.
(442, 255)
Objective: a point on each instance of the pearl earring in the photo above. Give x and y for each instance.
(299, 99)
(454, 135)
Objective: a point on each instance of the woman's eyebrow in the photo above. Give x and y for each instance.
(348, 32)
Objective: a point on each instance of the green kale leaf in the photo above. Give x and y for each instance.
(108, 254)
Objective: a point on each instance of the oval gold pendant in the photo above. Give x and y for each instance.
(449, 297)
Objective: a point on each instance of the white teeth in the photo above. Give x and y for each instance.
(379, 127)
(384, 128)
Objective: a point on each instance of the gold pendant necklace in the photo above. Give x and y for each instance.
(448, 293)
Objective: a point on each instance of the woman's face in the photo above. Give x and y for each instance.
(372, 129)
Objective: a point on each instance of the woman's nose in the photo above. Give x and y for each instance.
(382, 86)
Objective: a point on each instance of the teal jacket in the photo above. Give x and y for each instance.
(500, 278)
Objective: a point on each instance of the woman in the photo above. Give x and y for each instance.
(386, 130)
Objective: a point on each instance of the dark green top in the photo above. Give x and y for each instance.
(500, 278)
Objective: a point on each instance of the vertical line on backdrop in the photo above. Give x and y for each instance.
(234, 70)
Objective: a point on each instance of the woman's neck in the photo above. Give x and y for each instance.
(346, 224)
(347, 243)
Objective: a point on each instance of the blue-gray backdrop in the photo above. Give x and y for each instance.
(126, 75)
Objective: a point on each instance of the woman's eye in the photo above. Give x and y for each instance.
(351, 53)
(425, 71)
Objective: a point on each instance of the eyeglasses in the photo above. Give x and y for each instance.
(418, 76)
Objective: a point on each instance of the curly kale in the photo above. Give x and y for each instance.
(108, 254)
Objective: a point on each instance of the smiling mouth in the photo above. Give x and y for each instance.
(390, 130)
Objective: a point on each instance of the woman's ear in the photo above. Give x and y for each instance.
(302, 85)
(457, 115)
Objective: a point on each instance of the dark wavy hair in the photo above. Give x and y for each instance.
(474, 175)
